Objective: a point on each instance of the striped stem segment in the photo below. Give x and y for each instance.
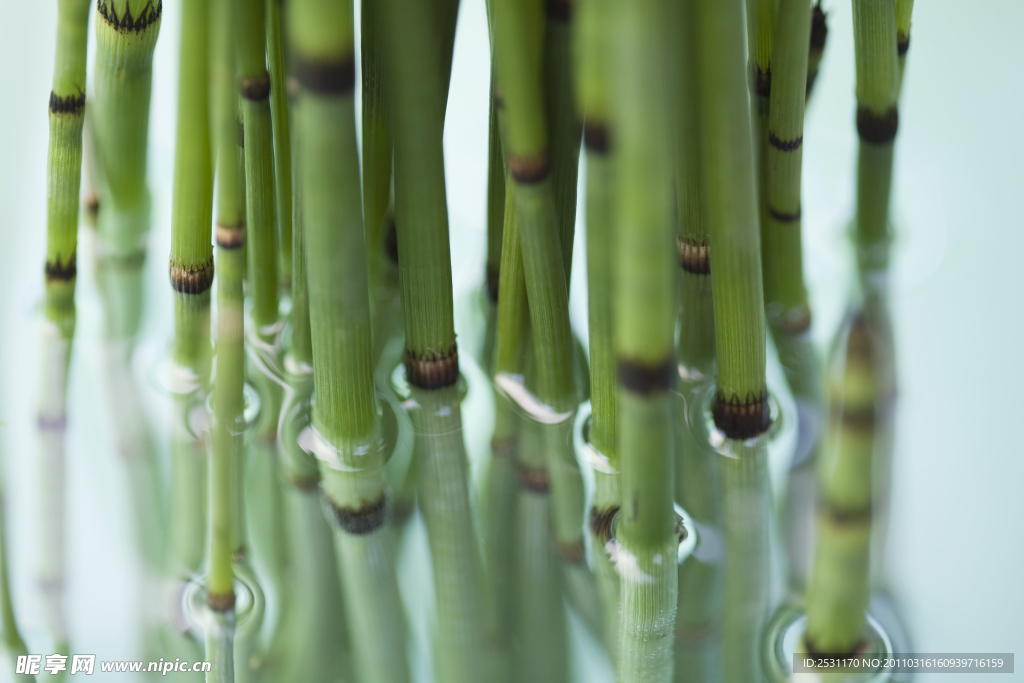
(837, 595)
(644, 322)
(125, 40)
(344, 411)
(377, 146)
(760, 36)
(282, 139)
(741, 406)
(875, 37)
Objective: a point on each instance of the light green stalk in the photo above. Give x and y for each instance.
(760, 35)
(644, 318)
(125, 39)
(191, 276)
(904, 10)
(875, 37)
(837, 595)
(418, 70)
(64, 172)
(345, 417)
(741, 403)
(698, 616)
(282, 140)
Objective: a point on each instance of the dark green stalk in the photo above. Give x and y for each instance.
(875, 38)
(644, 318)
(282, 140)
(592, 59)
(698, 616)
(377, 150)
(837, 595)
(819, 36)
(418, 70)
(904, 10)
(191, 275)
(345, 417)
(495, 199)
(12, 643)
(125, 40)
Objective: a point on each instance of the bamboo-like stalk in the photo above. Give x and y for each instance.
(819, 36)
(740, 407)
(282, 139)
(904, 11)
(345, 415)
(64, 171)
(377, 147)
(592, 59)
(644, 322)
(125, 40)
(875, 46)
(191, 276)
(837, 595)
(697, 480)
(418, 67)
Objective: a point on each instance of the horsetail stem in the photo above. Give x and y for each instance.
(787, 303)
(125, 40)
(837, 594)
(254, 86)
(644, 322)
(904, 10)
(64, 163)
(282, 139)
(741, 406)
(875, 38)
(377, 145)
(345, 413)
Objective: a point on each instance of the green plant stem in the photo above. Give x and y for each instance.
(819, 36)
(220, 646)
(875, 37)
(282, 140)
(644, 339)
(837, 595)
(495, 198)
(377, 146)
(254, 86)
(904, 11)
(120, 112)
(741, 407)
(761, 16)
(345, 411)
(11, 640)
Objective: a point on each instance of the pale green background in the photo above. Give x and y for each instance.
(956, 554)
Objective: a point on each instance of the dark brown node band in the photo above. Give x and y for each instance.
(493, 279)
(221, 602)
(362, 520)
(693, 258)
(230, 236)
(432, 373)
(92, 205)
(191, 280)
(875, 128)
(126, 22)
(783, 216)
(529, 170)
(560, 10)
(902, 43)
(533, 479)
(819, 29)
(326, 77)
(640, 377)
(573, 553)
(595, 136)
(784, 145)
(72, 104)
(795, 320)
(55, 271)
(841, 517)
(742, 420)
(601, 522)
(255, 89)
(762, 82)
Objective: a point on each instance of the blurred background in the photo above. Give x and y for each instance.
(955, 553)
